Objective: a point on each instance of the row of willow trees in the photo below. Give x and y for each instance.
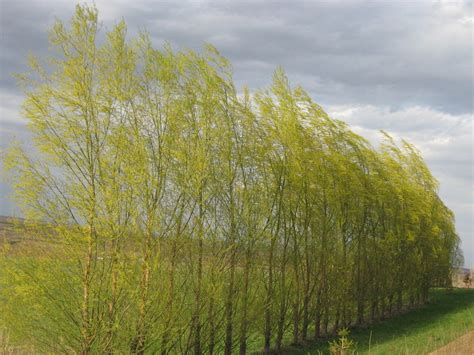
(173, 214)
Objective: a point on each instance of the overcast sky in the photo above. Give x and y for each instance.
(402, 66)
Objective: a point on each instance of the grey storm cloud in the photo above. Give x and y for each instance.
(386, 52)
(402, 66)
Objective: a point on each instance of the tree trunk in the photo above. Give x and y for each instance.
(269, 300)
(245, 291)
(229, 306)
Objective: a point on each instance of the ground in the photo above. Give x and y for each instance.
(448, 316)
(462, 345)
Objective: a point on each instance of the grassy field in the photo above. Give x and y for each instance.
(449, 315)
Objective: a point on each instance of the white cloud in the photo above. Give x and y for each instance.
(9, 107)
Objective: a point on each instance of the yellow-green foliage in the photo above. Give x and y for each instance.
(175, 215)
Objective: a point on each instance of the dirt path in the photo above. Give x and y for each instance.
(461, 346)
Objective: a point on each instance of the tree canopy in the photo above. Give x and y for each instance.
(176, 214)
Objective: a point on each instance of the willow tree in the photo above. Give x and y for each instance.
(74, 179)
(103, 187)
(171, 214)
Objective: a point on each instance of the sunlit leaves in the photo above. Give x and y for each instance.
(170, 213)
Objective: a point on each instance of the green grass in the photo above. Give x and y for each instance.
(447, 316)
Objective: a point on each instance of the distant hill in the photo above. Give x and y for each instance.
(11, 229)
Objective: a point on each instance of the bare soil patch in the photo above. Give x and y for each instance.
(460, 346)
